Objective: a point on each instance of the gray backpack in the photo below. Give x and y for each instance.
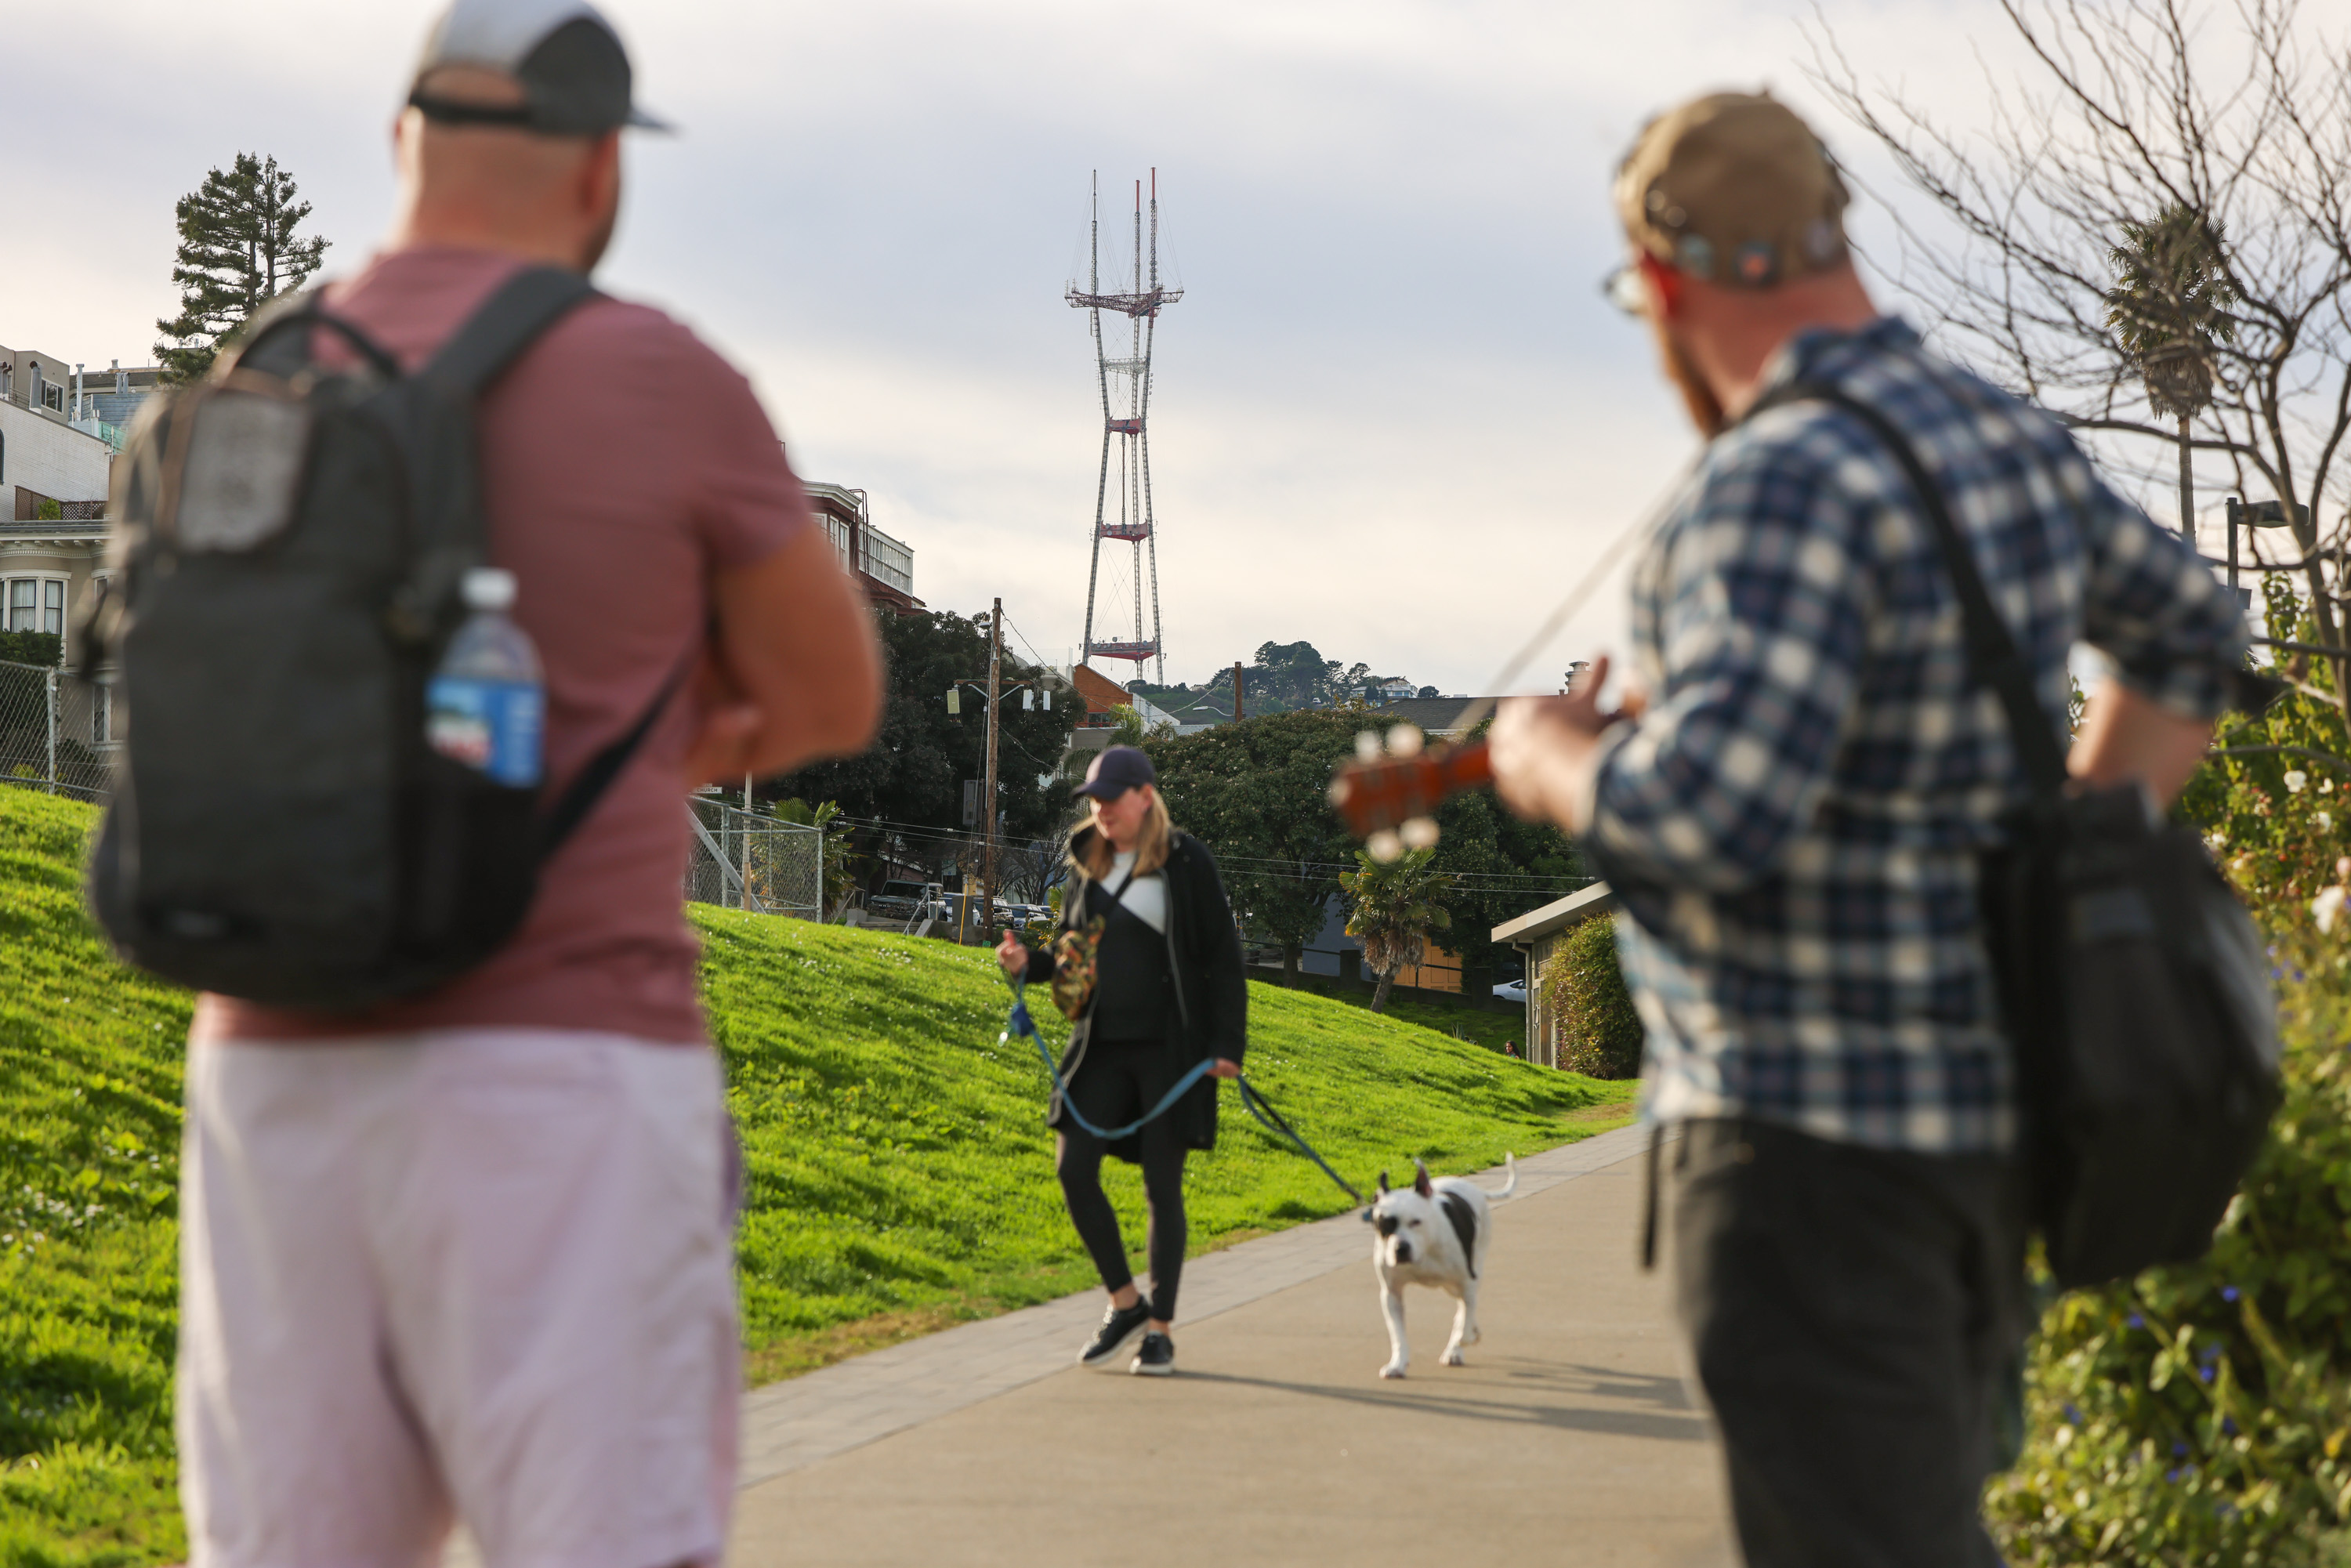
(290, 538)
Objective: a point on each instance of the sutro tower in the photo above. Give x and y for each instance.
(1126, 406)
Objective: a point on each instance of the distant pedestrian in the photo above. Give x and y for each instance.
(466, 1256)
(1790, 804)
(1167, 994)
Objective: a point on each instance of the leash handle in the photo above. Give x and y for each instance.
(1252, 1100)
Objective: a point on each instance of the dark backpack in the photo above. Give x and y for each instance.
(2133, 984)
(289, 538)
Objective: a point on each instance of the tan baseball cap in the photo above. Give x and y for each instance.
(1735, 189)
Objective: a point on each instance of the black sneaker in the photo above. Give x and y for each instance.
(1119, 1327)
(1157, 1358)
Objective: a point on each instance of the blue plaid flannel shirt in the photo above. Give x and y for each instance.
(1794, 824)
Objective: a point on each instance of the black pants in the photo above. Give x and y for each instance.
(1856, 1316)
(1117, 1081)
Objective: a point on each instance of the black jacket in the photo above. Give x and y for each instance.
(1204, 952)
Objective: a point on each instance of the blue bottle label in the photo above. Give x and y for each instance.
(492, 725)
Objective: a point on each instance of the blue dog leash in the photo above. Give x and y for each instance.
(1256, 1103)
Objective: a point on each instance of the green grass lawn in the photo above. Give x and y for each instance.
(900, 1177)
(1490, 1027)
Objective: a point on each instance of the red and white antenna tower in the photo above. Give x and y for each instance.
(1126, 409)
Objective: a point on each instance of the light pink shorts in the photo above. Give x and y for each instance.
(478, 1274)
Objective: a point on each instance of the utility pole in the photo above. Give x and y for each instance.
(987, 790)
(1236, 691)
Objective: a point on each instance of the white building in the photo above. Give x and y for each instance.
(53, 479)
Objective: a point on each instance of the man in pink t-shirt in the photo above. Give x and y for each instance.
(466, 1257)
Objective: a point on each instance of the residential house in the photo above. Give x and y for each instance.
(884, 567)
(1440, 718)
(110, 398)
(53, 486)
(1537, 935)
(1333, 953)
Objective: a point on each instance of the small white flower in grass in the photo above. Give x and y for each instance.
(2324, 819)
(2294, 779)
(2327, 907)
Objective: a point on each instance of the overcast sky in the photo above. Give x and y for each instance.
(1393, 414)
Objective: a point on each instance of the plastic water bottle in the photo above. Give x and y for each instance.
(485, 706)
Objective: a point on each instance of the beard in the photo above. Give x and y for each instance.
(1705, 409)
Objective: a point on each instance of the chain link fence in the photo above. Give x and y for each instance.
(745, 861)
(56, 731)
(58, 734)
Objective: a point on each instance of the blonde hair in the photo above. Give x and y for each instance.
(1149, 850)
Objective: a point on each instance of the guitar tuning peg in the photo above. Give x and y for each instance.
(1404, 740)
(1367, 746)
(1383, 846)
(1419, 833)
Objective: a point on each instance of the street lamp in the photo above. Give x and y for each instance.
(2259, 515)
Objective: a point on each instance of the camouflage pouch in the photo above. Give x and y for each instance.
(1075, 955)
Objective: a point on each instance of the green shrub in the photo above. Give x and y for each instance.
(2200, 1414)
(1600, 1032)
(2277, 812)
(46, 648)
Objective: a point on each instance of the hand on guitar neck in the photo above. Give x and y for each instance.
(1539, 756)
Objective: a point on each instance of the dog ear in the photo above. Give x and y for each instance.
(1420, 1181)
(1384, 1184)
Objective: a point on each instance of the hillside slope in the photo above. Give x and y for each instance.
(899, 1175)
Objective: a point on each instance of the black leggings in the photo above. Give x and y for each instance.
(1119, 1081)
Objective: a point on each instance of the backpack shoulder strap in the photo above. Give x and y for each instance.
(587, 787)
(506, 324)
(1993, 656)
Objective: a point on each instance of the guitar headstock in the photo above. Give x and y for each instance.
(1389, 793)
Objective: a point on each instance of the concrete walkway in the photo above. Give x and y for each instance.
(1568, 1438)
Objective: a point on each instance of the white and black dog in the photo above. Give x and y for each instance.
(1433, 1233)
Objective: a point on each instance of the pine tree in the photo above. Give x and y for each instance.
(237, 251)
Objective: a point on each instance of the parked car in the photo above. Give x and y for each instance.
(1511, 990)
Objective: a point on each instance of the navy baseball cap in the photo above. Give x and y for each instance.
(573, 72)
(1118, 769)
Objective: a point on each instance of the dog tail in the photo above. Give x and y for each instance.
(1509, 1186)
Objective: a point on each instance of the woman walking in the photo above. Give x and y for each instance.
(1167, 995)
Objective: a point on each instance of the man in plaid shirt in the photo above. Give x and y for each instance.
(1789, 808)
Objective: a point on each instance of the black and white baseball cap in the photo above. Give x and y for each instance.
(574, 73)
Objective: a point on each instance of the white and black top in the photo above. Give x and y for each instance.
(1134, 994)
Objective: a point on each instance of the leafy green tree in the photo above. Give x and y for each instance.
(1283, 678)
(912, 776)
(237, 251)
(1256, 793)
(2168, 308)
(1392, 909)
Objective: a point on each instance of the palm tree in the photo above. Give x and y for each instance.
(2169, 307)
(1392, 910)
